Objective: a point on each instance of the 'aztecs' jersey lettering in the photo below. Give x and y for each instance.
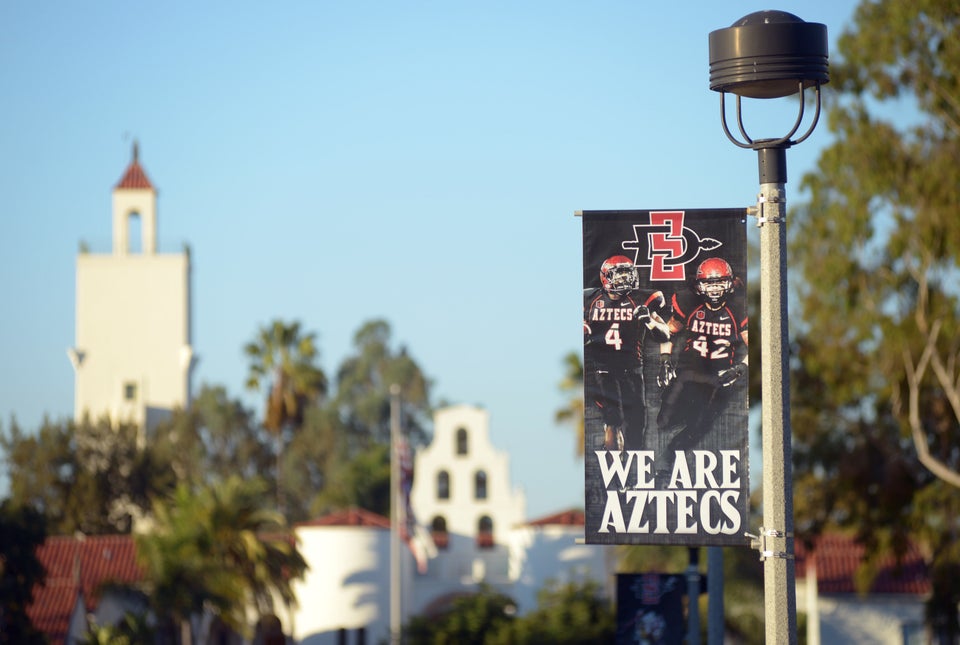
(620, 313)
(711, 328)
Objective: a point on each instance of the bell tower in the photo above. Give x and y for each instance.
(132, 356)
(134, 196)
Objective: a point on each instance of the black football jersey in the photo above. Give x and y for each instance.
(710, 339)
(614, 336)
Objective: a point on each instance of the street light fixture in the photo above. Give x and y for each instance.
(772, 54)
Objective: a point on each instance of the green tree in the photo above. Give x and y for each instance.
(359, 414)
(89, 477)
(214, 438)
(572, 387)
(310, 464)
(362, 481)
(567, 614)
(133, 629)
(283, 362)
(363, 389)
(472, 619)
(22, 530)
(42, 471)
(876, 406)
(216, 548)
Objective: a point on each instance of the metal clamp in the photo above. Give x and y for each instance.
(758, 211)
(759, 542)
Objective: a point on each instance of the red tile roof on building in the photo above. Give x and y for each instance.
(134, 176)
(571, 517)
(350, 517)
(839, 556)
(76, 565)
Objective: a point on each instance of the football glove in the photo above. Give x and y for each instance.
(642, 314)
(730, 376)
(668, 370)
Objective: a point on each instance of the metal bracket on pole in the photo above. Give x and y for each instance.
(760, 211)
(759, 542)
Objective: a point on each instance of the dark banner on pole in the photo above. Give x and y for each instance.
(665, 377)
(650, 608)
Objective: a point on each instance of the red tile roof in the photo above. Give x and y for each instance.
(51, 608)
(571, 517)
(74, 565)
(839, 556)
(351, 517)
(134, 176)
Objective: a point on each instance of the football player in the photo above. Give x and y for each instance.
(710, 330)
(617, 319)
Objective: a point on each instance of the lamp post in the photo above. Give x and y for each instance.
(772, 54)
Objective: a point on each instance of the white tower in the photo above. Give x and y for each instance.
(463, 494)
(132, 358)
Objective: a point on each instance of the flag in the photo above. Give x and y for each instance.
(412, 534)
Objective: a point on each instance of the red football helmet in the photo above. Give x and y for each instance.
(618, 275)
(714, 280)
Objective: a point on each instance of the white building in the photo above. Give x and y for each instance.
(133, 356)
(345, 595)
(462, 493)
(476, 522)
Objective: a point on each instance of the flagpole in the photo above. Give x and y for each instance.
(395, 510)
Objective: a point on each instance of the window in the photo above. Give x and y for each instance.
(438, 531)
(129, 391)
(480, 485)
(485, 533)
(443, 485)
(134, 234)
(461, 441)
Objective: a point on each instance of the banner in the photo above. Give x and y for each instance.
(650, 608)
(665, 377)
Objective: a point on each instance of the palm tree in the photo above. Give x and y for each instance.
(182, 574)
(217, 548)
(572, 386)
(283, 361)
(255, 541)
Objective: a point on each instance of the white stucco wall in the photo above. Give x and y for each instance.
(876, 619)
(543, 554)
(132, 327)
(347, 586)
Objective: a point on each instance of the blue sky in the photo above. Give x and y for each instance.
(337, 162)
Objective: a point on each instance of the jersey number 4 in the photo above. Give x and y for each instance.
(612, 337)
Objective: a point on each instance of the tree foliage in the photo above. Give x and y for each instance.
(88, 477)
(283, 362)
(183, 474)
(876, 393)
(570, 613)
(214, 438)
(363, 389)
(571, 385)
(22, 530)
(567, 614)
(217, 547)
